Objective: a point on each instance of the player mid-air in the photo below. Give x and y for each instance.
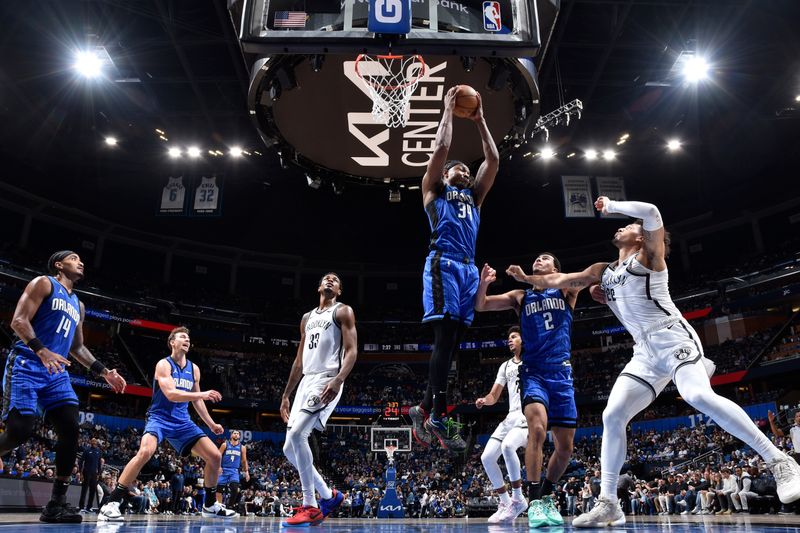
(666, 349)
(452, 199)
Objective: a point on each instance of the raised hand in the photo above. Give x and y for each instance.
(598, 294)
(450, 98)
(477, 115)
(116, 381)
(488, 274)
(516, 272)
(601, 204)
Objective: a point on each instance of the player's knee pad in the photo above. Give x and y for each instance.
(19, 428)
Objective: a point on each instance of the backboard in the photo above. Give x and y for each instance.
(399, 437)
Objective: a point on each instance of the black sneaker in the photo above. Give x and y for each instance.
(446, 430)
(60, 513)
(421, 434)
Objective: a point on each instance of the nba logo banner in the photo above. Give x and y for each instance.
(491, 16)
(389, 16)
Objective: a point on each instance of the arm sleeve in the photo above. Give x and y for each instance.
(651, 217)
(501, 375)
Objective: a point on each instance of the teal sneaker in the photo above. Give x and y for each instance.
(554, 518)
(536, 515)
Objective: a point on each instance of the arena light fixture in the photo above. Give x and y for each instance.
(88, 64)
(797, 98)
(174, 152)
(609, 155)
(548, 153)
(591, 154)
(111, 141)
(235, 151)
(193, 151)
(673, 145)
(695, 69)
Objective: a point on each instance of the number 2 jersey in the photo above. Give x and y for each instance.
(54, 322)
(546, 324)
(454, 219)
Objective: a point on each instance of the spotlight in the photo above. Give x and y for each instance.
(317, 60)
(695, 69)
(235, 152)
(314, 183)
(468, 62)
(394, 193)
(88, 64)
(548, 153)
(673, 145)
(591, 154)
(608, 155)
(174, 152)
(111, 141)
(797, 98)
(193, 151)
(570, 155)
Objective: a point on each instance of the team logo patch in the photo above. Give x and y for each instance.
(681, 354)
(312, 401)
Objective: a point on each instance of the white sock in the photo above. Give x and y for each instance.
(504, 497)
(517, 493)
(324, 490)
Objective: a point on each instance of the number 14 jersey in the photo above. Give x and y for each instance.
(546, 324)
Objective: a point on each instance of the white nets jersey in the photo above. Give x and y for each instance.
(639, 297)
(323, 348)
(508, 376)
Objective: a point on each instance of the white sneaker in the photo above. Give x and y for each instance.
(110, 513)
(502, 509)
(787, 476)
(516, 508)
(219, 511)
(604, 513)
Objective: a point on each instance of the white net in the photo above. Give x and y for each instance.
(391, 80)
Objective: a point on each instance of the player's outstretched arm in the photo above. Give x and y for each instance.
(82, 354)
(199, 404)
(491, 398)
(653, 245)
(498, 302)
(32, 297)
(296, 373)
(484, 178)
(558, 280)
(347, 320)
(432, 180)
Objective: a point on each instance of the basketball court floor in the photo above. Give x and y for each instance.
(29, 522)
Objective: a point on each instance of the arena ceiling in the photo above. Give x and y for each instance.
(176, 67)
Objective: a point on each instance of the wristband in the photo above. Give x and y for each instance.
(98, 368)
(35, 345)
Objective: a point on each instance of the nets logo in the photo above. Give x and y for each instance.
(312, 401)
(682, 354)
(491, 16)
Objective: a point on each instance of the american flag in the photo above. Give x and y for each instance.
(290, 19)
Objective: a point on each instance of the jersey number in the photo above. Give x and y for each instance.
(65, 324)
(548, 321)
(610, 295)
(206, 195)
(313, 341)
(464, 210)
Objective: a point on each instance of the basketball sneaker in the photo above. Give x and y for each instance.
(516, 508)
(446, 431)
(418, 417)
(604, 513)
(787, 477)
(536, 515)
(218, 511)
(550, 510)
(110, 513)
(305, 516)
(502, 510)
(330, 505)
(60, 513)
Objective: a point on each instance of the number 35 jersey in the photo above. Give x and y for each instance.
(546, 324)
(323, 349)
(454, 219)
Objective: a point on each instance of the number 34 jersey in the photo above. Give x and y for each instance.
(323, 349)
(546, 324)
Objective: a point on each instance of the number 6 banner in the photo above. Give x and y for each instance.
(173, 197)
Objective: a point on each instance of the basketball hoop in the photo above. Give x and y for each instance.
(390, 453)
(391, 80)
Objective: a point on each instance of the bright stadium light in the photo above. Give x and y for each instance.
(695, 69)
(673, 145)
(193, 151)
(591, 154)
(88, 64)
(608, 155)
(111, 141)
(548, 153)
(797, 98)
(235, 151)
(174, 152)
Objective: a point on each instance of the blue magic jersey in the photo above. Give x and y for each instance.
(165, 410)
(232, 458)
(55, 321)
(546, 324)
(454, 221)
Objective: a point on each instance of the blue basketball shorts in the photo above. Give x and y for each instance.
(449, 285)
(551, 386)
(30, 389)
(182, 435)
(228, 476)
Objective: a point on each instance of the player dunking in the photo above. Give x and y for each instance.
(234, 458)
(452, 201)
(48, 323)
(546, 388)
(510, 435)
(326, 355)
(666, 348)
(176, 383)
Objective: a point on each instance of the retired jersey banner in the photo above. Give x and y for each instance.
(614, 188)
(207, 197)
(577, 197)
(173, 197)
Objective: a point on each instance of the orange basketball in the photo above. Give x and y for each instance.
(466, 101)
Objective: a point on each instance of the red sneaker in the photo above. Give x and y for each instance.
(306, 516)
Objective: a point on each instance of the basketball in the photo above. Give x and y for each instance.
(466, 101)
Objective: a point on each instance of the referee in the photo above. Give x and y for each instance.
(794, 432)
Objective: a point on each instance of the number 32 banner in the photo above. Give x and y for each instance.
(201, 196)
